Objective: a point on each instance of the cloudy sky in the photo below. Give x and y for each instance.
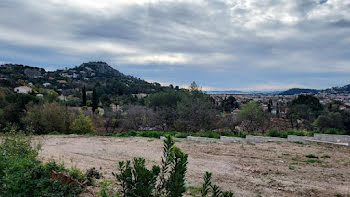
(220, 44)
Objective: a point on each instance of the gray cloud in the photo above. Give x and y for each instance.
(242, 40)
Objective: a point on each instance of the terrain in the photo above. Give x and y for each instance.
(334, 90)
(108, 81)
(261, 169)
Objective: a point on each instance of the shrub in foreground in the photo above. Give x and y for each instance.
(22, 174)
(168, 180)
(215, 190)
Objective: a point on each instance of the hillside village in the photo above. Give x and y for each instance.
(68, 83)
(79, 87)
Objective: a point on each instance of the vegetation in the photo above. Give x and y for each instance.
(168, 179)
(82, 125)
(215, 190)
(95, 98)
(21, 173)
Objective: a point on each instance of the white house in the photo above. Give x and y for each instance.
(46, 84)
(23, 89)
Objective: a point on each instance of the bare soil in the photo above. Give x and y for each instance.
(260, 169)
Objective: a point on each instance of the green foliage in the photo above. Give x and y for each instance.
(215, 190)
(331, 120)
(333, 131)
(92, 174)
(107, 190)
(175, 185)
(84, 96)
(206, 185)
(82, 125)
(308, 100)
(306, 108)
(77, 174)
(229, 104)
(22, 174)
(311, 156)
(284, 134)
(136, 180)
(95, 100)
(158, 134)
(164, 99)
(151, 134)
(47, 118)
(51, 96)
(253, 117)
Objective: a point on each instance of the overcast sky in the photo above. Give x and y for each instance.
(220, 44)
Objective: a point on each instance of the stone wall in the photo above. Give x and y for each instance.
(251, 138)
(295, 138)
(202, 139)
(321, 138)
(332, 138)
(232, 139)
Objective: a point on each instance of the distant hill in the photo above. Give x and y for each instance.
(241, 92)
(108, 82)
(294, 91)
(344, 89)
(225, 92)
(333, 90)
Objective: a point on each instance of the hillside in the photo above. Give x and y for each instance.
(338, 90)
(299, 91)
(68, 83)
(334, 90)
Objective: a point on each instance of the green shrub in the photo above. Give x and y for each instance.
(333, 131)
(215, 190)
(22, 174)
(136, 180)
(150, 134)
(181, 135)
(273, 133)
(284, 134)
(82, 125)
(48, 117)
(209, 134)
(326, 156)
(311, 156)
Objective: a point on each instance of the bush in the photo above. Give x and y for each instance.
(284, 134)
(311, 156)
(46, 118)
(82, 125)
(208, 187)
(209, 134)
(333, 131)
(22, 174)
(150, 134)
(168, 180)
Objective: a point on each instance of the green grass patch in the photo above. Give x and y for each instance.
(325, 156)
(291, 166)
(311, 156)
(284, 134)
(193, 191)
(313, 161)
(298, 142)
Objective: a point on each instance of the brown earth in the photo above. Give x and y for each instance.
(260, 169)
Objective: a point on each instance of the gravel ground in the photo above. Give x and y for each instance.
(248, 169)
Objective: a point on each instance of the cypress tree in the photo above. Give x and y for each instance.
(84, 96)
(94, 100)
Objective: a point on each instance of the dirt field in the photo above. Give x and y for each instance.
(260, 169)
